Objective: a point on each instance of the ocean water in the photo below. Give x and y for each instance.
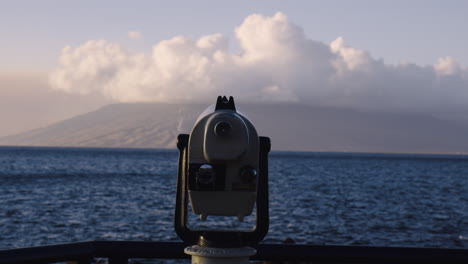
(61, 195)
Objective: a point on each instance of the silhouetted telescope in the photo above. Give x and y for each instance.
(223, 171)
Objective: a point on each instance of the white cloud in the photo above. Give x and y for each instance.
(276, 63)
(135, 35)
(447, 66)
(350, 58)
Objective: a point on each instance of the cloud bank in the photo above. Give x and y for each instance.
(277, 62)
(135, 35)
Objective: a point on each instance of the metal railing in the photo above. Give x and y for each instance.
(118, 252)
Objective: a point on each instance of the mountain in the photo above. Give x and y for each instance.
(290, 127)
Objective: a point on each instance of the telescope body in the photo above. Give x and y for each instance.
(223, 157)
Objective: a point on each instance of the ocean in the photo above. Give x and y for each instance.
(61, 195)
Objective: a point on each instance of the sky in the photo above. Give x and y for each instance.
(60, 59)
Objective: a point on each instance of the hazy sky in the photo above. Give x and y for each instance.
(374, 55)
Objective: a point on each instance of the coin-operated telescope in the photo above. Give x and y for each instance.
(223, 171)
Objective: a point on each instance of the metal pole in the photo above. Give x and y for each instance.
(209, 255)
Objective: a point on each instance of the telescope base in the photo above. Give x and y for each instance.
(209, 255)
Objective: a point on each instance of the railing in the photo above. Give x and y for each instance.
(119, 252)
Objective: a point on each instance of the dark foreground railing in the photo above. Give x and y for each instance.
(119, 252)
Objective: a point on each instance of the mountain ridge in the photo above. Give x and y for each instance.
(291, 128)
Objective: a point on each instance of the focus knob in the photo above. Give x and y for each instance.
(222, 128)
(248, 174)
(206, 174)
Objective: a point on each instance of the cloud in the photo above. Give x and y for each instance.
(135, 35)
(277, 62)
(447, 66)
